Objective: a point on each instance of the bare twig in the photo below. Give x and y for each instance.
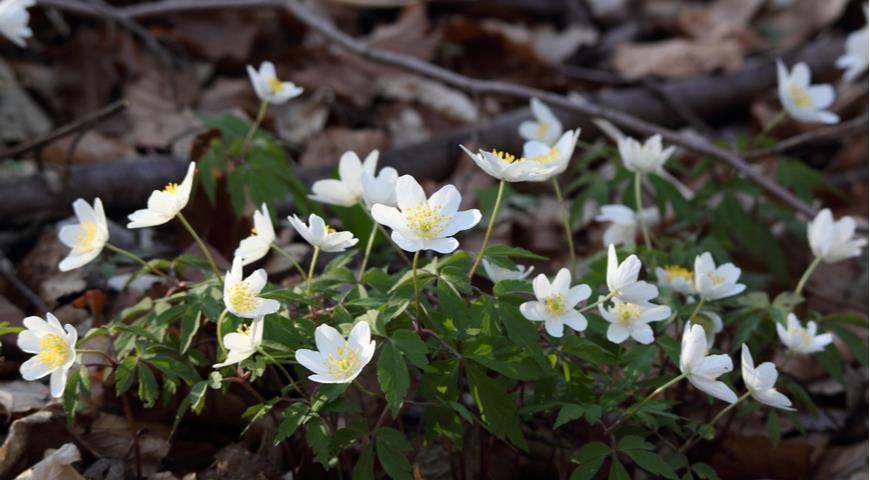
(843, 130)
(7, 270)
(131, 424)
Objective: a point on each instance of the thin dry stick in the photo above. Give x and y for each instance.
(844, 130)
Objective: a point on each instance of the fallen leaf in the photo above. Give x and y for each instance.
(21, 117)
(298, 121)
(429, 93)
(722, 19)
(57, 465)
(29, 436)
(802, 19)
(19, 396)
(326, 147)
(214, 35)
(411, 34)
(109, 436)
(93, 147)
(676, 58)
(549, 45)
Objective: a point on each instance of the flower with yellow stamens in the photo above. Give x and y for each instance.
(760, 381)
(509, 167)
(632, 320)
(552, 160)
(87, 238)
(241, 296)
(556, 302)
(257, 245)
(545, 128)
(676, 278)
(164, 205)
(800, 339)
(712, 282)
(319, 235)
(801, 100)
(337, 360)
(268, 87)
(53, 347)
(242, 343)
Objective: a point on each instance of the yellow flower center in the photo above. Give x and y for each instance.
(507, 157)
(717, 279)
(426, 220)
(275, 85)
(254, 232)
(548, 157)
(344, 363)
(800, 96)
(555, 304)
(542, 129)
(805, 337)
(170, 188)
(330, 230)
(627, 313)
(242, 297)
(85, 237)
(244, 329)
(674, 272)
(53, 350)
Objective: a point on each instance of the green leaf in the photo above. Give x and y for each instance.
(317, 435)
(589, 459)
(704, 471)
(452, 304)
(774, 429)
(633, 442)
(124, 375)
(197, 396)
(393, 377)
(189, 327)
(391, 446)
(148, 389)
(497, 408)
(652, 463)
(511, 252)
(853, 341)
(567, 414)
(618, 471)
(830, 360)
(293, 417)
(365, 465)
(412, 346)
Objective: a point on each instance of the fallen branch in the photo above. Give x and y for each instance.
(843, 130)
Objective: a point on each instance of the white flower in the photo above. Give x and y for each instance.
(676, 278)
(701, 369)
(87, 238)
(760, 382)
(338, 360)
(624, 225)
(257, 245)
(802, 340)
(322, 236)
(54, 348)
(712, 324)
(622, 279)
(347, 190)
(242, 343)
(545, 128)
(507, 167)
(268, 87)
(713, 283)
(240, 296)
(554, 160)
(13, 20)
(555, 303)
(497, 273)
(856, 57)
(164, 205)
(645, 158)
(802, 101)
(833, 241)
(632, 320)
(425, 224)
(381, 188)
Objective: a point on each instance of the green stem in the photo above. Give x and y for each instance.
(488, 229)
(137, 259)
(311, 269)
(261, 114)
(728, 408)
(220, 338)
(386, 234)
(98, 352)
(365, 259)
(696, 311)
(638, 198)
(416, 288)
(566, 219)
(599, 302)
(285, 372)
(202, 246)
(806, 276)
(290, 257)
(636, 408)
(773, 123)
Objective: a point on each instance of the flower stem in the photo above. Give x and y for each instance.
(566, 219)
(386, 234)
(202, 246)
(137, 259)
(311, 269)
(285, 372)
(599, 302)
(638, 198)
(696, 311)
(773, 123)
(220, 324)
(100, 353)
(289, 257)
(806, 276)
(492, 217)
(416, 288)
(636, 408)
(261, 114)
(365, 259)
(728, 408)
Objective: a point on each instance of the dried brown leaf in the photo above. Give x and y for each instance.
(676, 58)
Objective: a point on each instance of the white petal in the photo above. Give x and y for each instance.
(554, 327)
(617, 333)
(311, 360)
(327, 339)
(34, 369)
(57, 382)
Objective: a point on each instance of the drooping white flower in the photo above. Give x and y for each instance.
(552, 159)
(347, 190)
(240, 296)
(257, 245)
(802, 340)
(702, 369)
(712, 282)
(632, 320)
(833, 241)
(855, 59)
(242, 343)
(13, 20)
(802, 101)
(507, 167)
(712, 324)
(545, 128)
(381, 188)
(54, 349)
(760, 381)
(268, 87)
(649, 157)
(425, 224)
(623, 226)
(556, 302)
(87, 238)
(677, 278)
(497, 273)
(164, 205)
(337, 360)
(622, 279)
(322, 236)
